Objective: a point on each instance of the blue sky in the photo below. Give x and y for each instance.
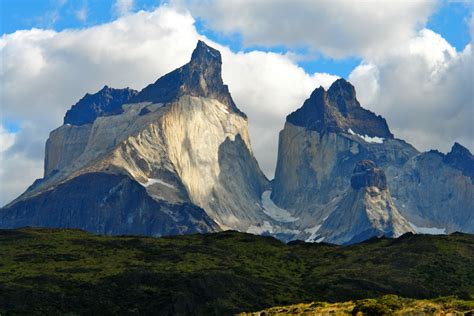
(450, 21)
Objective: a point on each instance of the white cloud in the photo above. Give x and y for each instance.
(425, 90)
(6, 139)
(12, 179)
(335, 27)
(44, 72)
(123, 7)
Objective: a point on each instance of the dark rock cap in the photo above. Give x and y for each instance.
(107, 101)
(367, 174)
(337, 110)
(202, 76)
(461, 158)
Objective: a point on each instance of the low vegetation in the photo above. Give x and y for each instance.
(46, 271)
(385, 305)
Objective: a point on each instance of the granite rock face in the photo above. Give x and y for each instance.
(461, 158)
(107, 101)
(431, 193)
(367, 174)
(337, 110)
(366, 210)
(106, 204)
(201, 77)
(322, 142)
(182, 139)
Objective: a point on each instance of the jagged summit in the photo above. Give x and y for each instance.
(202, 76)
(337, 110)
(461, 158)
(367, 174)
(343, 94)
(107, 101)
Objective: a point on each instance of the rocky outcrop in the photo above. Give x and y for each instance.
(107, 101)
(366, 210)
(64, 145)
(324, 139)
(313, 168)
(181, 138)
(337, 110)
(461, 158)
(201, 77)
(367, 174)
(106, 204)
(432, 194)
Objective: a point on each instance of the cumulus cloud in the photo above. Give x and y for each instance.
(335, 27)
(44, 72)
(425, 90)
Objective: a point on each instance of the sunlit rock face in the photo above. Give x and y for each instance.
(182, 138)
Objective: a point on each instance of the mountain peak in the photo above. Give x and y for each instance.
(338, 111)
(367, 174)
(461, 158)
(201, 77)
(205, 52)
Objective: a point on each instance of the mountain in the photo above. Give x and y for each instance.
(176, 158)
(366, 210)
(322, 142)
(181, 145)
(52, 271)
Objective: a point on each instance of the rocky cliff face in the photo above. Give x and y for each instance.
(201, 77)
(366, 210)
(182, 138)
(107, 101)
(432, 194)
(106, 204)
(337, 110)
(316, 159)
(176, 158)
(323, 140)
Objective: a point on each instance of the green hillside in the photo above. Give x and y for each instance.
(46, 271)
(385, 305)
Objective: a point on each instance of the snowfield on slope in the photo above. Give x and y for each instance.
(428, 230)
(367, 138)
(275, 212)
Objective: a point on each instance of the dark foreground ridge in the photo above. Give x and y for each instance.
(46, 271)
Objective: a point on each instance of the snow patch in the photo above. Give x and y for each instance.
(275, 212)
(314, 232)
(367, 138)
(428, 230)
(154, 181)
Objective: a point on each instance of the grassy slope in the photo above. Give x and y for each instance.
(385, 305)
(45, 271)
